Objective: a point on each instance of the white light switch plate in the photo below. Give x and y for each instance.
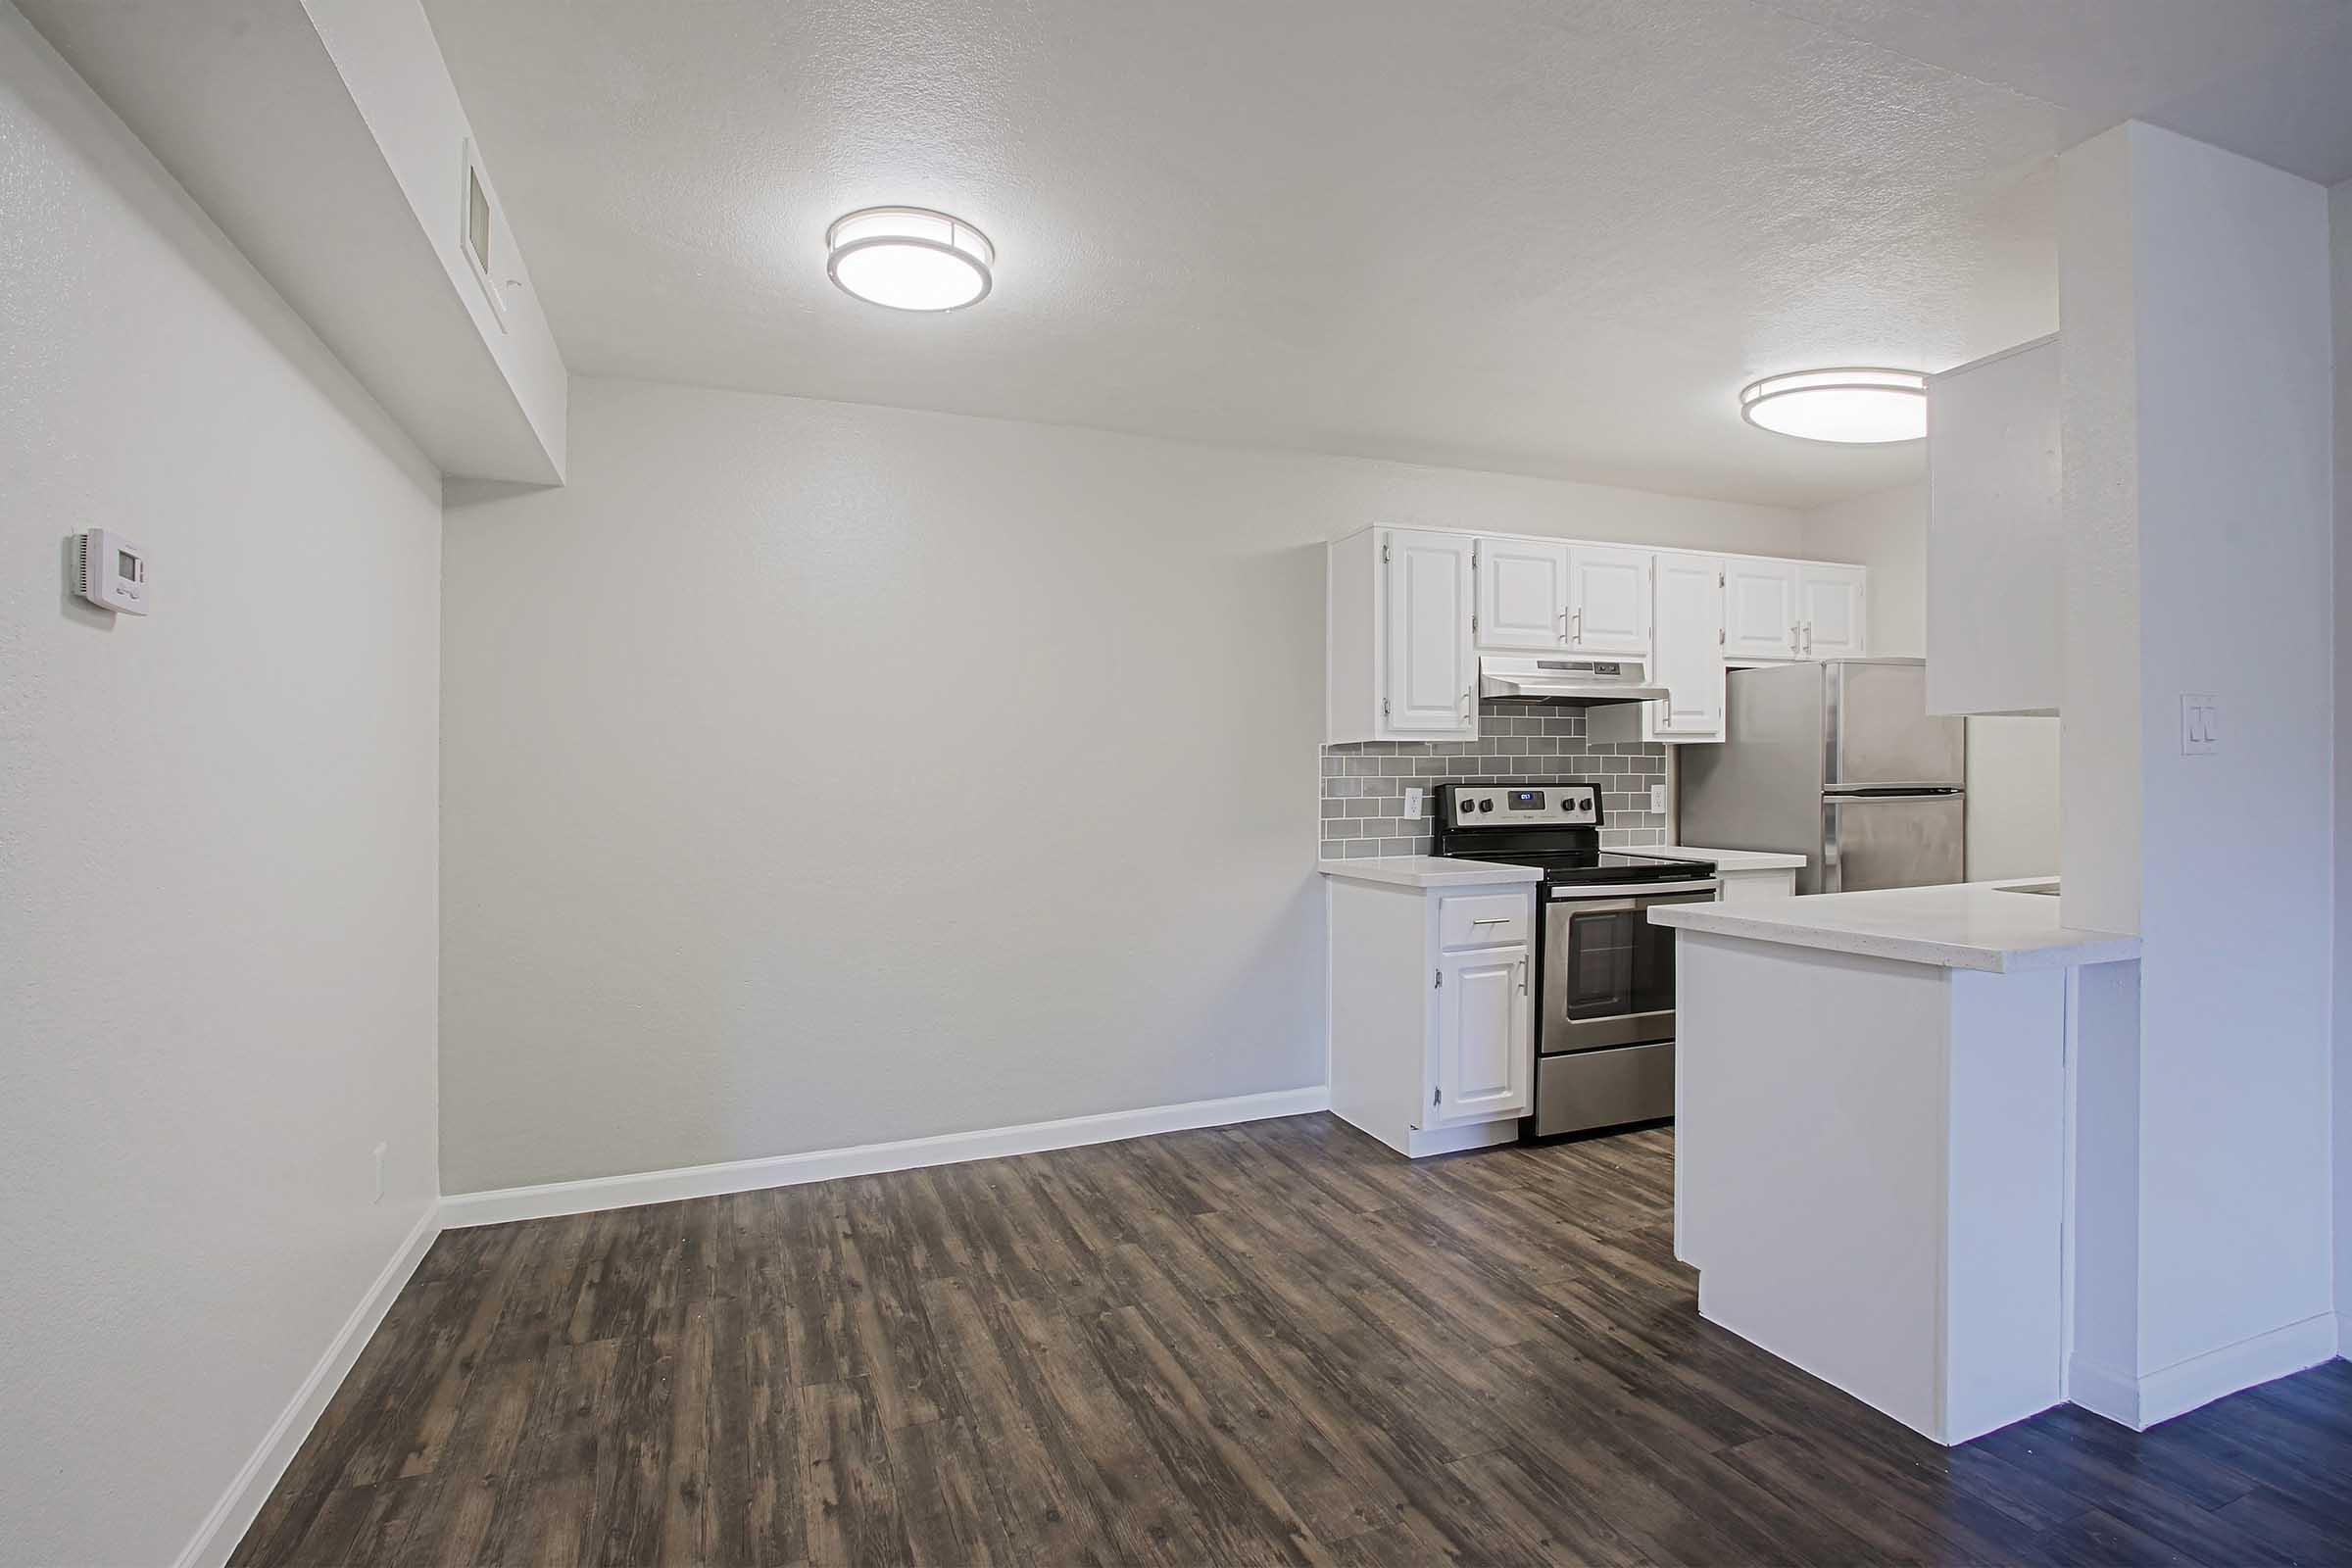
(2200, 723)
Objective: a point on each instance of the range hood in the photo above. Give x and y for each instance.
(1569, 683)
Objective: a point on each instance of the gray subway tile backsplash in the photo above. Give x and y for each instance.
(1364, 784)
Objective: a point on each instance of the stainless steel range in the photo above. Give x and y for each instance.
(1604, 1020)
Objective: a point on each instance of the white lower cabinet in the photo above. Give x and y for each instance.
(1432, 1012)
(1484, 1010)
(1745, 887)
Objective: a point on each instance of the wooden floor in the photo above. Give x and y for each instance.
(1273, 1342)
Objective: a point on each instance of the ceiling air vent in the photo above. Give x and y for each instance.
(483, 237)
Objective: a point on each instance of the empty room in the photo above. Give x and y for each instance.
(870, 782)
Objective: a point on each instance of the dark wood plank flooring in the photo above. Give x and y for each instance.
(1277, 1343)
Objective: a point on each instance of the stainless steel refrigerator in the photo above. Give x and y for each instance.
(1839, 762)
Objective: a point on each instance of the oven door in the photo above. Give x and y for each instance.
(1608, 973)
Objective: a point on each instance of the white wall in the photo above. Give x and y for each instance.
(817, 774)
(2340, 224)
(217, 844)
(2198, 517)
(1886, 531)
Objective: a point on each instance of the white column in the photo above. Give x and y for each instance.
(2199, 559)
(2340, 210)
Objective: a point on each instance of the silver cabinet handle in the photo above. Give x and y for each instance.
(1575, 628)
(1796, 632)
(1523, 977)
(1496, 919)
(1808, 638)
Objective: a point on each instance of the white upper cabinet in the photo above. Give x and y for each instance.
(1831, 611)
(1397, 660)
(1690, 647)
(1408, 612)
(1433, 675)
(1792, 609)
(1687, 638)
(1608, 599)
(1522, 594)
(1995, 567)
(1760, 617)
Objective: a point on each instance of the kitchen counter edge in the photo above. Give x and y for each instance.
(1732, 860)
(1427, 872)
(1966, 925)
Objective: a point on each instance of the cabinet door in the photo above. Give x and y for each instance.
(1759, 608)
(1431, 670)
(1994, 546)
(1486, 1037)
(1687, 624)
(1608, 599)
(1522, 594)
(1829, 601)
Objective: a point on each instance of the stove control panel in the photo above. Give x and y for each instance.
(1520, 805)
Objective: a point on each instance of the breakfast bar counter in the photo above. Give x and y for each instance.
(1870, 1100)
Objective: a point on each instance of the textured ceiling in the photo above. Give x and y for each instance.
(1551, 237)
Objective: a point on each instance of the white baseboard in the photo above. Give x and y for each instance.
(2142, 1402)
(2103, 1390)
(1453, 1140)
(234, 1513)
(866, 1159)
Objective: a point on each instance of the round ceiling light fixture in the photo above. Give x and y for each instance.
(1854, 404)
(910, 259)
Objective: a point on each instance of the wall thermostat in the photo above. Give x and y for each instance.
(113, 571)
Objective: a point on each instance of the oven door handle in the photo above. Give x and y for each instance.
(1630, 890)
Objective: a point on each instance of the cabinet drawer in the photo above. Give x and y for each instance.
(1482, 920)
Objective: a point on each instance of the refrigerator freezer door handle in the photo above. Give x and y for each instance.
(1891, 792)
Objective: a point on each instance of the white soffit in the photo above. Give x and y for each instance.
(1548, 240)
(325, 139)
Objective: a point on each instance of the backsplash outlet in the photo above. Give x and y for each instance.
(1364, 783)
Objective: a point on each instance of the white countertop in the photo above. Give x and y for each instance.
(1725, 859)
(1427, 872)
(1437, 871)
(1969, 925)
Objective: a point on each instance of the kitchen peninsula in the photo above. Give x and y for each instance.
(1870, 1141)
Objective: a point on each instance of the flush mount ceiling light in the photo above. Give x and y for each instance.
(910, 259)
(1857, 405)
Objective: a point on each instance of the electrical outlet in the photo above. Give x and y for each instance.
(2200, 723)
(381, 1149)
(1416, 800)
(1657, 798)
